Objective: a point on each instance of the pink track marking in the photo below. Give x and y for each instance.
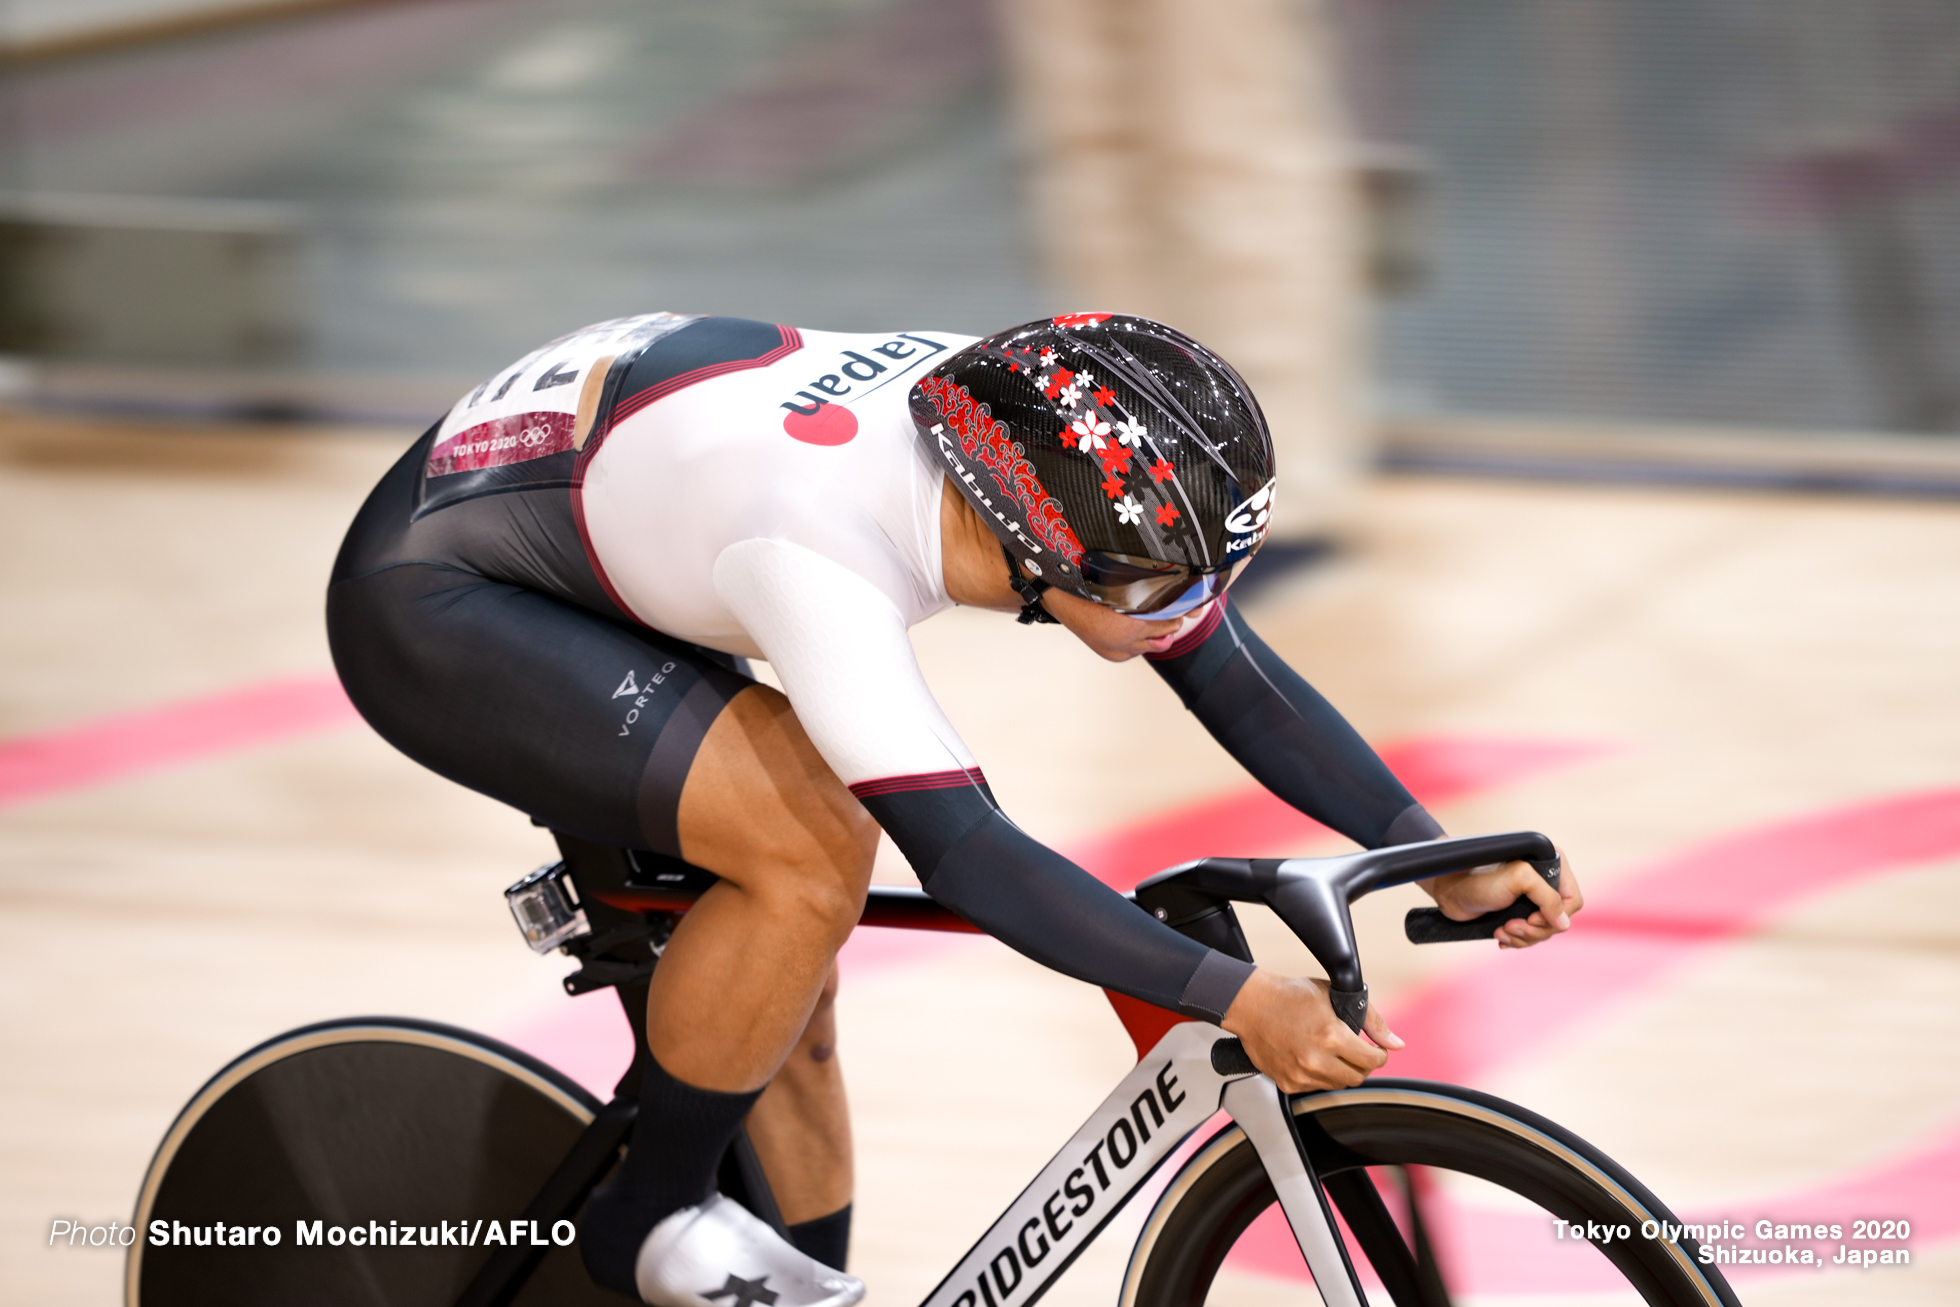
(150, 739)
(1642, 926)
(1436, 769)
(590, 1042)
(589, 1039)
(1636, 933)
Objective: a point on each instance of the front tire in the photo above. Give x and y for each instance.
(1368, 1132)
(376, 1123)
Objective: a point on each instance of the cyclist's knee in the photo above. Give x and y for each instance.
(763, 809)
(818, 877)
(814, 893)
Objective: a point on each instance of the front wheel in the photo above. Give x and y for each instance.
(368, 1161)
(1443, 1191)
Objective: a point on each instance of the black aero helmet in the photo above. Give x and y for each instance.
(1114, 457)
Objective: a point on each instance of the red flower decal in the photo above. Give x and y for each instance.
(1112, 485)
(1081, 319)
(1166, 514)
(1104, 394)
(1161, 470)
(1061, 378)
(1116, 458)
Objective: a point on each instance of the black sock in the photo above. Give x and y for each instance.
(678, 1139)
(828, 1238)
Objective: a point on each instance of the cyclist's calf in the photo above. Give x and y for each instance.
(801, 1126)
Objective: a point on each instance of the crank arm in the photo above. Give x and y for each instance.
(1259, 1109)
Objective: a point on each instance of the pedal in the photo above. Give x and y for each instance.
(547, 909)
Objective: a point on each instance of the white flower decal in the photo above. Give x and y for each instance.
(1089, 432)
(1047, 358)
(1044, 382)
(1129, 511)
(1069, 396)
(1132, 431)
(1084, 380)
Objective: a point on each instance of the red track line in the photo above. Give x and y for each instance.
(1436, 768)
(1646, 923)
(1640, 930)
(150, 739)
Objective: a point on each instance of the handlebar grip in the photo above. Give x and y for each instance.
(1430, 926)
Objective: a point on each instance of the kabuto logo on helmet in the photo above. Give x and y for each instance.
(1250, 518)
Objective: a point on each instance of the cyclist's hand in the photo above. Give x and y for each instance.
(1291, 1033)
(1466, 894)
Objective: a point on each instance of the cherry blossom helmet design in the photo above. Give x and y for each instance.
(1114, 457)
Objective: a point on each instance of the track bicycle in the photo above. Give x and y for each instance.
(405, 1163)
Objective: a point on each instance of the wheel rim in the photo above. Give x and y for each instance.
(1365, 1123)
(1640, 1206)
(509, 1069)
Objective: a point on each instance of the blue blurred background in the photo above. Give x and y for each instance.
(1733, 212)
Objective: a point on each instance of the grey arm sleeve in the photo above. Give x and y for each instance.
(1291, 739)
(972, 859)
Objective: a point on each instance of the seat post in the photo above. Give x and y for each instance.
(624, 943)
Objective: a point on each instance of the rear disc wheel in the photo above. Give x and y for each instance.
(362, 1130)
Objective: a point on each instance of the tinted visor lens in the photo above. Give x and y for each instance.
(1144, 587)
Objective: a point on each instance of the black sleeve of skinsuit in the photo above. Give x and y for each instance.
(972, 859)
(1287, 736)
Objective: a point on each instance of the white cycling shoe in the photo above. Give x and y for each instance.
(721, 1255)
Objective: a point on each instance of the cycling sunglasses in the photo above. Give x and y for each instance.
(1146, 587)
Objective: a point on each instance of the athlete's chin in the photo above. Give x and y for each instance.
(1135, 649)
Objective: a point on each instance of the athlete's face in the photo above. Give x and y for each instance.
(974, 576)
(1115, 636)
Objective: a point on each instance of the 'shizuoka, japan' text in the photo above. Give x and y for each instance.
(1768, 1243)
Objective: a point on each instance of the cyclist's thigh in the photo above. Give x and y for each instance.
(586, 723)
(761, 801)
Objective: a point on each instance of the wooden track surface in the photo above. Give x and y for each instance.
(1744, 663)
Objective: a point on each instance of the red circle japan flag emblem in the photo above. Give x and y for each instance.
(831, 424)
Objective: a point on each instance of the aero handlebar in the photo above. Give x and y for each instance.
(1311, 895)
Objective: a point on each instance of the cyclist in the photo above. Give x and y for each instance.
(550, 599)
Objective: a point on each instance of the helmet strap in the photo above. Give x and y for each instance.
(1030, 591)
